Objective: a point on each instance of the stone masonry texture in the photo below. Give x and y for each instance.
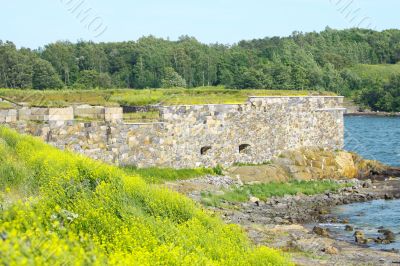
(198, 135)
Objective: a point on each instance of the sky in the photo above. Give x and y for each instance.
(36, 23)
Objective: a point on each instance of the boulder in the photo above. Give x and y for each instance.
(346, 166)
(360, 237)
(389, 235)
(255, 200)
(331, 250)
(321, 231)
(349, 228)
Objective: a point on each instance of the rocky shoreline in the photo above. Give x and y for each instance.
(306, 209)
(288, 222)
(280, 223)
(283, 222)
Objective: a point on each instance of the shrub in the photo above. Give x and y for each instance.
(172, 79)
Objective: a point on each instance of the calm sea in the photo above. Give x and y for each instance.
(375, 138)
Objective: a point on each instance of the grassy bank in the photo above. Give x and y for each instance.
(112, 97)
(63, 209)
(160, 175)
(264, 191)
(381, 72)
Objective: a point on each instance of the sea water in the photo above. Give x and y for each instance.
(376, 138)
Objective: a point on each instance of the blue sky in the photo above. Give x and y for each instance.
(35, 23)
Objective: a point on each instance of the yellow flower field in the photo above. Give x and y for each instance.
(58, 208)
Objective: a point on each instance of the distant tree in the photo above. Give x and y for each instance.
(392, 95)
(250, 79)
(44, 76)
(90, 56)
(89, 79)
(104, 81)
(325, 61)
(332, 79)
(299, 77)
(223, 76)
(62, 57)
(352, 80)
(172, 79)
(15, 66)
(281, 76)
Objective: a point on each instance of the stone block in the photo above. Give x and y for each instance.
(61, 114)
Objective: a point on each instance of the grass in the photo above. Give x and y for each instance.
(253, 164)
(58, 208)
(161, 175)
(376, 72)
(264, 191)
(132, 97)
(142, 117)
(5, 105)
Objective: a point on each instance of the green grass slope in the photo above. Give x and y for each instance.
(155, 175)
(376, 72)
(58, 208)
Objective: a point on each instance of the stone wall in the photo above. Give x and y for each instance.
(204, 135)
(98, 112)
(40, 114)
(8, 116)
(45, 114)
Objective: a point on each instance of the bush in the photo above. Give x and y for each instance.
(90, 79)
(172, 79)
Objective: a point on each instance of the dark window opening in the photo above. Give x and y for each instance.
(244, 148)
(204, 150)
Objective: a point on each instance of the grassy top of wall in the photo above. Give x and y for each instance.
(62, 208)
(114, 97)
(5, 105)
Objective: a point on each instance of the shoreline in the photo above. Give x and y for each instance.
(286, 220)
(303, 209)
(286, 223)
(376, 114)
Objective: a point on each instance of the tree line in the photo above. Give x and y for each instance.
(316, 61)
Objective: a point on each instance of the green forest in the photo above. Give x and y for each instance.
(359, 63)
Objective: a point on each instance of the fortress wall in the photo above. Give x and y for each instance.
(204, 135)
(41, 114)
(255, 131)
(98, 113)
(8, 116)
(45, 114)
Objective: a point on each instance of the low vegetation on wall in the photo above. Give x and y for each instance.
(129, 97)
(60, 208)
(6, 105)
